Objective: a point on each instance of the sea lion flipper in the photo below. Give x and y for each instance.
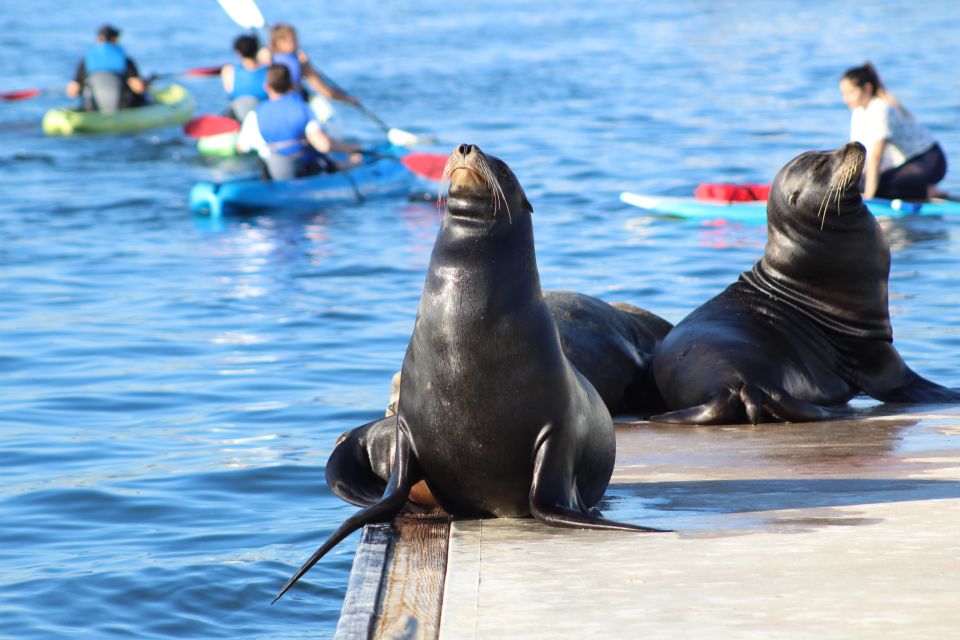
(785, 407)
(359, 465)
(552, 502)
(406, 471)
(723, 408)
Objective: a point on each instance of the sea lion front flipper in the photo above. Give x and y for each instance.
(551, 500)
(359, 465)
(882, 374)
(723, 408)
(406, 472)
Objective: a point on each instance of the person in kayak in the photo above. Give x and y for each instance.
(106, 77)
(284, 48)
(286, 135)
(244, 83)
(903, 159)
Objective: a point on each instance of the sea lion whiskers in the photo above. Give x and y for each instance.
(841, 181)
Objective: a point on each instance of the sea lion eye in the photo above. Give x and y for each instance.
(794, 197)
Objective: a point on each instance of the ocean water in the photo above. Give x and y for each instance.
(171, 389)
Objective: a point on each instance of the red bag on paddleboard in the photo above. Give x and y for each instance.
(731, 192)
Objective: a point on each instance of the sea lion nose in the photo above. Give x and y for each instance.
(465, 149)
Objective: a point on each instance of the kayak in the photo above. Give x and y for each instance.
(381, 175)
(755, 211)
(224, 145)
(171, 105)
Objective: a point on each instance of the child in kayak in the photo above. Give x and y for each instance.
(106, 77)
(903, 159)
(286, 135)
(244, 83)
(285, 49)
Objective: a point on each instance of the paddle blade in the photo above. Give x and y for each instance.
(244, 12)
(24, 94)
(427, 165)
(210, 125)
(204, 71)
(402, 138)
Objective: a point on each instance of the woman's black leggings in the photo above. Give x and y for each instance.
(910, 180)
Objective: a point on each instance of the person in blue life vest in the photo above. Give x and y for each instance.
(244, 82)
(106, 77)
(286, 135)
(284, 48)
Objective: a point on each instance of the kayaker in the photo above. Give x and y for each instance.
(284, 49)
(244, 83)
(903, 159)
(106, 77)
(286, 135)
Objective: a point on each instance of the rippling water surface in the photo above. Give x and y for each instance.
(171, 390)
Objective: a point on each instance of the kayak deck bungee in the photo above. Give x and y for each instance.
(755, 211)
(381, 175)
(171, 105)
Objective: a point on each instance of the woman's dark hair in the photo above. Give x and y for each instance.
(861, 75)
(278, 78)
(247, 46)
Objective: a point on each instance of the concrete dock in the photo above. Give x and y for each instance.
(841, 529)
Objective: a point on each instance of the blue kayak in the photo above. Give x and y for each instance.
(381, 175)
(756, 211)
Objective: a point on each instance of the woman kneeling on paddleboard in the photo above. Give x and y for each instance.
(286, 135)
(903, 159)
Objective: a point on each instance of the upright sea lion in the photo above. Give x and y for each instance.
(492, 416)
(808, 327)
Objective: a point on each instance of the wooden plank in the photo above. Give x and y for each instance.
(412, 591)
(363, 589)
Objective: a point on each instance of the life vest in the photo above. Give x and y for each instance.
(732, 192)
(248, 82)
(283, 122)
(292, 62)
(105, 56)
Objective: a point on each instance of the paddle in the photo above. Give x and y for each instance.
(26, 94)
(428, 165)
(210, 125)
(246, 14)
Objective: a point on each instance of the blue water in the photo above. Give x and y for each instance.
(171, 391)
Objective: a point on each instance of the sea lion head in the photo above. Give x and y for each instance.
(482, 186)
(826, 255)
(818, 184)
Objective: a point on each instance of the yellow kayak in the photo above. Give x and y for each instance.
(170, 105)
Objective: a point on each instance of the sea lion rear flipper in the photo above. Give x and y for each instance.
(406, 471)
(359, 465)
(551, 501)
(882, 374)
(724, 408)
(785, 407)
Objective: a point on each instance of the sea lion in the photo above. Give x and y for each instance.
(491, 414)
(808, 327)
(611, 344)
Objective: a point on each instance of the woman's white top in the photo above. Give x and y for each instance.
(880, 120)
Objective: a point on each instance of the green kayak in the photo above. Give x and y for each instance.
(171, 105)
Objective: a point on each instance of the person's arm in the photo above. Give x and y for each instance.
(226, 77)
(871, 169)
(249, 138)
(75, 86)
(319, 85)
(878, 128)
(134, 81)
(324, 144)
